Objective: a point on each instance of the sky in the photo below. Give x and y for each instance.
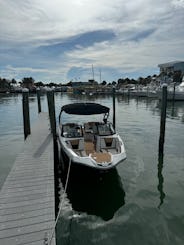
(60, 40)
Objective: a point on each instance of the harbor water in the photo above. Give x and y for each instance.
(139, 202)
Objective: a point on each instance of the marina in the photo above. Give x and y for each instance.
(91, 122)
(143, 196)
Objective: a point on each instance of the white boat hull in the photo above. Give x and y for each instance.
(93, 144)
(90, 160)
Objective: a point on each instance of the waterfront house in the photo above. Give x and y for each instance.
(172, 71)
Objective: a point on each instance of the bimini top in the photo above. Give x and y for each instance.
(85, 109)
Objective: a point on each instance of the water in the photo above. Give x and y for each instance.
(141, 202)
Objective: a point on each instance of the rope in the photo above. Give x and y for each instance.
(48, 242)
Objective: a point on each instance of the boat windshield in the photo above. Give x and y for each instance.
(106, 129)
(72, 130)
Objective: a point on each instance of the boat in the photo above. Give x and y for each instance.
(93, 144)
(142, 92)
(176, 94)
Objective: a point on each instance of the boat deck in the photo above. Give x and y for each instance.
(101, 157)
(89, 147)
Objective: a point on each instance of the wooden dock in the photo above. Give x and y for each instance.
(27, 202)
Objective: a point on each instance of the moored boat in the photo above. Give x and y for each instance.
(95, 143)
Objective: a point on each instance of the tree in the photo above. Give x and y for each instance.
(39, 84)
(28, 80)
(69, 84)
(127, 80)
(4, 84)
(13, 81)
(51, 84)
(121, 81)
(104, 83)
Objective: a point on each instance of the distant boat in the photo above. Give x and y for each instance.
(142, 92)
(93, 144)
(177, 95)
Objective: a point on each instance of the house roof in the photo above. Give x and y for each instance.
(169, 64)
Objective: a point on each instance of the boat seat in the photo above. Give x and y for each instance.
(109, 141)
(113, 150)
(107, 144)
(77, 144)
(74, 143)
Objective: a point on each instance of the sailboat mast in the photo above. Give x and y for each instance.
(93, 72)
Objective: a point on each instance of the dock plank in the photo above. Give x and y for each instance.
(27, 202)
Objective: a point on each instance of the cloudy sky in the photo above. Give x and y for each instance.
(59, 40)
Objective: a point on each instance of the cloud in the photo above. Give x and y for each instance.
(76, 42)
(20, 72)
(64, 38)
(178, 3)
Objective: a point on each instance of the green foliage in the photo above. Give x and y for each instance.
(29, 80)
(104, 83)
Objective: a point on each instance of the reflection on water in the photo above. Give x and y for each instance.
(7, 99)
(95, 193)
(175, 110)
(160, 179)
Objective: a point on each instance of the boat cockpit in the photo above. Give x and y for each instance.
(73, 130)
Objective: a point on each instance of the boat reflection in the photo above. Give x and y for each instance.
(95, 193)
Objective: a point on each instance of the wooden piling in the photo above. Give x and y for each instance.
(38, 99)
(174, 88)
(51, 108)
(163, 119)
(128, 93)
(26, 117)
(114, 109)
(160, 186)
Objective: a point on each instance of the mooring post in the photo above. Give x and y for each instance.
(160, 186)
(114, 109)
(51, 108)
(163, 119)
(128, 93)
(38, 99)
(26, 117)
(174, 88)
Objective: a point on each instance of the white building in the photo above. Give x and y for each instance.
(175, 66)
(171, 71)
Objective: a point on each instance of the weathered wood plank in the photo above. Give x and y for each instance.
(27, 208)
(25, 215)
(36, 237)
